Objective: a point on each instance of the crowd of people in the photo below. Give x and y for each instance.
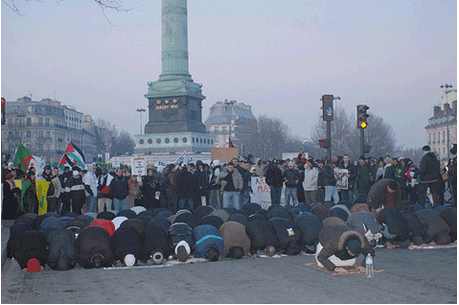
(100, 218)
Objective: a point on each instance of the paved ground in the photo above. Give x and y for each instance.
(410, 276)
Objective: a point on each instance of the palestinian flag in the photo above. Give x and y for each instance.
(73, 156)
(230, 143)
(24, 157)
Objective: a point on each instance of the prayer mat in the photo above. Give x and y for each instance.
(428, 246)
(350, 269)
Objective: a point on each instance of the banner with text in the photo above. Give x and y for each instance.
(261, 193)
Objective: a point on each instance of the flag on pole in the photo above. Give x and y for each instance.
(24, 157)
(73, 156)
(230, 143)
(180, 159)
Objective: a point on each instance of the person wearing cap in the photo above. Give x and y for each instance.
(11, 196)
(338, 246)
(76, 192)
(429, 169)
(32, 251)
(385, 192)
(231, 185)
(275, 181)
(291, 180)
(126, 244)
(104, 201)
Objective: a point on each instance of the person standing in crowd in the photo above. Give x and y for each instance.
(63, 178)
(30, 199)
(429, 168)
(76, 193)
(214, 186)
(53, 189)
(364, 178)
(90, 184)
(11, 196)
(352, 173)
(299, 187)
(231, 185)
(310, 182)
(291, 179)
(329, 182)
(186, 185)
(275, 180)
(389, 169)
(103, 185)
(134, 191)
(246, 183)
(205, 180)
(19, 172)
(119, 190)
(148, 189)
(170, 175)
(452, 172)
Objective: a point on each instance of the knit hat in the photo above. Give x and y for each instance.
(106, 224)
(354, 246)
(129, 260)
(393, 185)
(291, 163)
(33, 265)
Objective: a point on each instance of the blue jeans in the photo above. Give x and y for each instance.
(119, 204)
(276, 193)
(188, 201)
(90, 203)
(293, 193)
(331, 191)
(245, 196)
(231, 199)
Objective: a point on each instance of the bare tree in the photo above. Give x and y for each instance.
(270, 139)
(124, 144)
(108, 134)
(346, 136)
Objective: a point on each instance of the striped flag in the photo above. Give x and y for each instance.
(73, 156)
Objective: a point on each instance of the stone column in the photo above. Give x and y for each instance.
(174, 56)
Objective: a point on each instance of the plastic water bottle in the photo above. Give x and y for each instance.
(369, 263)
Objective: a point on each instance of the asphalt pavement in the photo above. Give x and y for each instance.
(410, 276)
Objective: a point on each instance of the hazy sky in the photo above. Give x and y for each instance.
(278, 56)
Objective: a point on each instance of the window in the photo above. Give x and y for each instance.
(176, 140)
(150, 141)
(29, 121)
(40, 121)
(158, 141)
(47, 122)
(167, 140)
(434, 138)
(444, 137)
(184, 140)
(40, 134)
(29, 134)
(48, 134)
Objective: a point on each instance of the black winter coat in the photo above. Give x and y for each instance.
(181, 231)
(415, 226)
(94, 240)
(186, 184)
(126, 240)
(327, 177)
(154, 238)
(365, 174)
(288, 235)
(396, 223)
(119, 188)
(432, 223)
(310, 226)
(62, 249)
(32, 244)
(274, 177)
(261, 235)
(429, 168)
(290, 177)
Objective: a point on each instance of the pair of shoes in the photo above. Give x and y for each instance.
(181, 254)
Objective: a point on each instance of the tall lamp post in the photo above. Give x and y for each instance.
(140, 110)
(446, 86)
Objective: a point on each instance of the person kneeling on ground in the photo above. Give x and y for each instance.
(343, 243)
(396, 230)
(235, 240)
(209, 244)
(181, 236)
(262, 237)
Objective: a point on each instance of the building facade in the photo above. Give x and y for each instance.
(231, 120)
(441, 130)
(46, 127)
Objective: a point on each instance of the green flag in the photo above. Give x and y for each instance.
(24, 157)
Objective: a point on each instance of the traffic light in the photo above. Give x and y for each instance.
(327, 107)
(362, 116)
(3, 111)
(324, 143)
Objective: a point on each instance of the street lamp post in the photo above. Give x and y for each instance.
(140, 110)
(446, 86)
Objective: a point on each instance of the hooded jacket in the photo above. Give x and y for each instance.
(207, 236)
(334, 239)
(429, 168)
(311, 177)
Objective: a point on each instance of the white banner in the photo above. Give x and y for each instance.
(139, 166)
(262, 193)
(342, 181)
(116, 162)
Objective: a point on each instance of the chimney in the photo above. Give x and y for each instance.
(436, 110)
(454, 106)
